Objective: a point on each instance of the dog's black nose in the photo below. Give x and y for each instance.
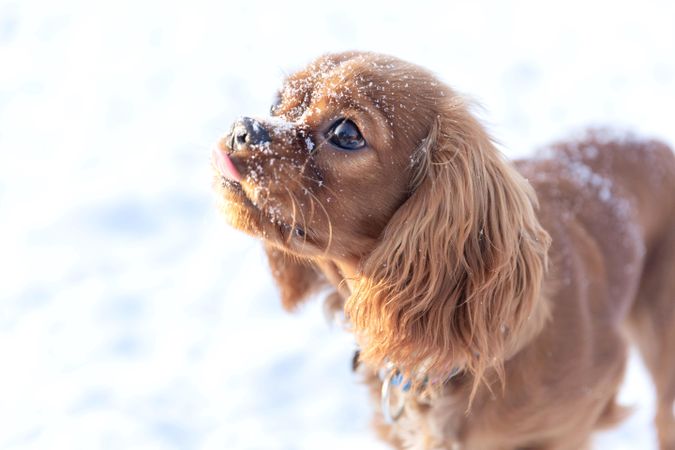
(246, 133)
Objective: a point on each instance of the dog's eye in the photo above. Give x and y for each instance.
(346, 135)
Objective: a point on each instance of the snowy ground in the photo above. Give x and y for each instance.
(131, 317)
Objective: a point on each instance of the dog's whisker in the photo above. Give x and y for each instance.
(323, 142)
(305, 191)
(293, 213)
(325, 211)
(330, 223)
(323, 185)
(302, 216)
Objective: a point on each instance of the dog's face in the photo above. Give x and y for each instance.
(324, 174)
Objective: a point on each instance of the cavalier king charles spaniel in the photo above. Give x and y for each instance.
(492, 301)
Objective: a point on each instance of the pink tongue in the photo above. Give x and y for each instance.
(224, 165)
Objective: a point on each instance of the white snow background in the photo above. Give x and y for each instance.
(131, 316)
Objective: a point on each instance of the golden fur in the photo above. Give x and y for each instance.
(443, 260)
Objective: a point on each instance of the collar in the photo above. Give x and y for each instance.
(396, 389)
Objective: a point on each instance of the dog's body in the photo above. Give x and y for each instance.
(611, 272)
(439, 258)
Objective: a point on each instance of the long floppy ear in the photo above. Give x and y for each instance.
(296, 279)
(458, 269)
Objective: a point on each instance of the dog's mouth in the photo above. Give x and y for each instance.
(229, 178)
(257, 205)
(233, 192)
(224, 165)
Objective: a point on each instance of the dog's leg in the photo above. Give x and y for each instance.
(653, 323)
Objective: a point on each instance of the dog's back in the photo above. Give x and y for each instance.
(616, 193)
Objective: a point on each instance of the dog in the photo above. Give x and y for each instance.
(492, 301)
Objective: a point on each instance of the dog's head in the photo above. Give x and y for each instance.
(324, 174)
(372, 162)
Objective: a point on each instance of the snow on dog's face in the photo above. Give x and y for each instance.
(324, 174)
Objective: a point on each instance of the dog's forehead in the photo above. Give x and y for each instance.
(389, 91)
(335, 77)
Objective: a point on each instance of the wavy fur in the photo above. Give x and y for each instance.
(461, 261)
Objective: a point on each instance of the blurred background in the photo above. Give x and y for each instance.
(131, 316)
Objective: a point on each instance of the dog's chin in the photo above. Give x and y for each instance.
(242, 213)
(238, 209)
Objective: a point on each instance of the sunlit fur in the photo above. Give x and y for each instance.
(505, 290)
(459, 268)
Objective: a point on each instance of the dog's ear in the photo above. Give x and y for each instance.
(295, 278)
(459, 268)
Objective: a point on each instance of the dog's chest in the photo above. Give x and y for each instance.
(436, 425)
(420, 419)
